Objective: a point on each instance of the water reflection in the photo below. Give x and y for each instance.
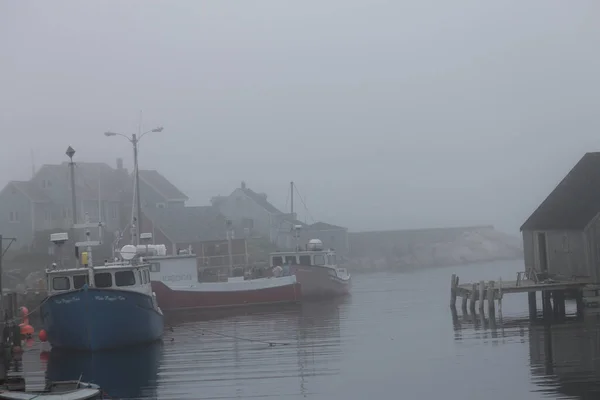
(126, 373)
(565, 358)
(231, 357)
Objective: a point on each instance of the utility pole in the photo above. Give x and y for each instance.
(138, 202)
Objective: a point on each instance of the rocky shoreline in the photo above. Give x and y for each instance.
(415, 249)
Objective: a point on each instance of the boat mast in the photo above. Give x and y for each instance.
(292, 198)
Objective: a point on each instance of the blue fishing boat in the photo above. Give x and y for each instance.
(101, 307)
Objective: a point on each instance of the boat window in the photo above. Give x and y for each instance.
(305, 260)
(79, 281)
(155, 267)
(140, 277)
(103, 279)
(331, 259)
(277, 260)
(147, 275)
(124, 278)
(319, 259)
(291, 260)
(61, 283)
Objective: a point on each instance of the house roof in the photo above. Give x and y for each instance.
(30, 190)
(574, 202)
(261, 200)
(161, 185)
(188, 224)
(323, 226)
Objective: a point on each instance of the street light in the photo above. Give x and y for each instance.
(134, 139)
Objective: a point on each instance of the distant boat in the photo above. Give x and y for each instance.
(176, 284)
(64, 390)
(101, 307)
(315, 269)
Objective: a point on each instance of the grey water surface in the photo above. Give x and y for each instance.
(393, 338)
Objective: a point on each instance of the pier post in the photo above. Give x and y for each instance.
(558, 300)
(500, 296)
(472, 298)
(547, 303)
(531, 296)
(579, 301)
(490, 298)
(453, 284)
(481, 295)
(463, 305)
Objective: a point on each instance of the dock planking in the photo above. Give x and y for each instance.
(553, 292)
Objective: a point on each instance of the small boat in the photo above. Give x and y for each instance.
(100, 307)
(315, 269)
(64, 390)
(175, 280)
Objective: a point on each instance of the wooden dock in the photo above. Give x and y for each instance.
(553, 292)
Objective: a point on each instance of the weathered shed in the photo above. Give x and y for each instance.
(562, 236)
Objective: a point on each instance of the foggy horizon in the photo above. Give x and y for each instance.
(387, 115)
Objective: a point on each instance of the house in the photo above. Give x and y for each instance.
(44, 203)
(561, 237)
(203, 228)
(252, 212)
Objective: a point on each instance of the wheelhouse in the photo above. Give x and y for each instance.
(308, 258)
(106, 277)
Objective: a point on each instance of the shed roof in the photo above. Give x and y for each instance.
(574, 201)
(162, 185)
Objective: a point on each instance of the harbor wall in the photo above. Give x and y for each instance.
(420, 248)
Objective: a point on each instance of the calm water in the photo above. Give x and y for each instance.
(393, 338)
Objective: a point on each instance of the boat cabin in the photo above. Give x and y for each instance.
(110, 276)
(319, 258)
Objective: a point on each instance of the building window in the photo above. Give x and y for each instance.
(161, 205)
(103, 280)
(124, 278)
(79, 281)
(61, 283)
(46, 183)
(13, 216)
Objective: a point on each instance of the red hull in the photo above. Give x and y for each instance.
(184, 298)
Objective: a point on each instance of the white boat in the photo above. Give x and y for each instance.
(175, 280)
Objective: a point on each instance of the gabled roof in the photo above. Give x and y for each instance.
(32, 192)
(323, 226)
(159, 183)
(574, 202)
(261, 200)
(188, 224)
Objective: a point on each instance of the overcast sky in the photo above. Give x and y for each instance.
(387, 114)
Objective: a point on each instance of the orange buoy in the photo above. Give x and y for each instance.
(42, 335)
(26, 329)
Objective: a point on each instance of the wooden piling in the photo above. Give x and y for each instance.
(473, 298)
(499, 296)
(490, 298)
(463, 305)
(481, 294)
(532, 305)
(547, 303)
(453, 285)
(579, 301)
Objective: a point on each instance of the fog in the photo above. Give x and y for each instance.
(386, 114)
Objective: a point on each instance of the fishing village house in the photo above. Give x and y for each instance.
(255, 215)
(561, 239)
(31, 210)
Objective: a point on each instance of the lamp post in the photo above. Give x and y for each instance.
(134, 140)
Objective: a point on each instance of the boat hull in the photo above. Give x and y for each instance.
(99, 319)
(218, 295)
(319, 282)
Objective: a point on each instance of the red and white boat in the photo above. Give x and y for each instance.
(316, 270)
(175, 281)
